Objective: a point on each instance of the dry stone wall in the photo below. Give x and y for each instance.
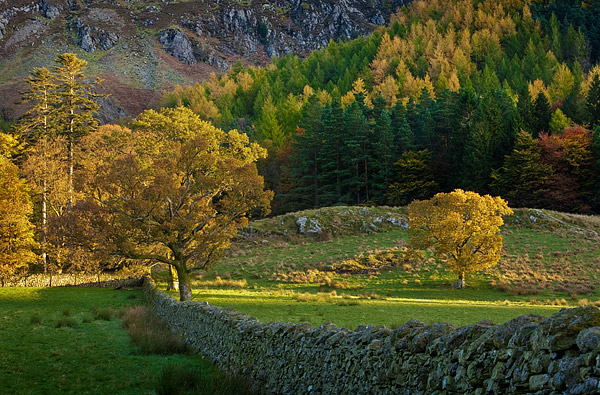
(69, 279)
(529, 354)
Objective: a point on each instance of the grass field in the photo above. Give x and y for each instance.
(547, 263)
(69, 340)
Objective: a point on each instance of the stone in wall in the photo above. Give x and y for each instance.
(529, 354)
(72, 280)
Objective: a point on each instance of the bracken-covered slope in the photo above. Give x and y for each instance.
(140, 47)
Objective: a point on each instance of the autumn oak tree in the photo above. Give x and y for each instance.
(177, 188)
(462, 227)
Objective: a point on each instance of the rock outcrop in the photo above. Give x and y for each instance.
(283, 27)
(529, 354)
(176, 44)
(134, 40)
(91, 38)
(48, 10)
(243, 28)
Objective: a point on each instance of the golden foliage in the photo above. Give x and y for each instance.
(245, 81)
(536, 87)
(16, 232)
(388, 90)
(462, 227)
(585, 85)
(177, 188)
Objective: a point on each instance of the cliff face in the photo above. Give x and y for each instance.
(143, 46)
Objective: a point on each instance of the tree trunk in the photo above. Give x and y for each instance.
(461, 281)
(44, 204)
(173, 284)
(366, 179)
(43, 227)
(70, 180)
(185, 289)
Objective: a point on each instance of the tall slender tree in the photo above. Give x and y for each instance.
(383, 158)
(76, 106)
(334, 157)
(359, 142)
(38, 127)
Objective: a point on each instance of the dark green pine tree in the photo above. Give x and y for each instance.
(441, 157)
(526, 109)
(490, 138)
(593, 102)
(574, 105)
(523, 180)
(507, 115)
(359, 147)
(76, 105)
(38, 124)
(334, 159)
(465, 109)
(404, 138)
(304, 171)
(38, 121)
(379, 104)
(413, 180)
(575, 48)
(542, 113)
(424, 125)
(412, 116)
(383, 158)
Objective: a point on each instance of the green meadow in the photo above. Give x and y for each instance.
(71, 340)
(277, 274)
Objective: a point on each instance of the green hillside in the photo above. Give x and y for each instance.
(433, 102)
(352, 275)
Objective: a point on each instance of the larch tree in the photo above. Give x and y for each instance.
(462, 227)
(593, 101)
(177, 188)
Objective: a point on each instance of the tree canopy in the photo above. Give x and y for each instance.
(16, 232)
(462, 227)
(175, 187)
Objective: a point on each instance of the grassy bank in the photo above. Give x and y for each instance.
(550, 260)
(70, 340)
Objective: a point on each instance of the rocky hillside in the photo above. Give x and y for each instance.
(140, 47)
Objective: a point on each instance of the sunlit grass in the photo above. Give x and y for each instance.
(292, 306)
(543, 267)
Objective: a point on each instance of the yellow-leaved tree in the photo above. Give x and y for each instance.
(462, 227)
(175, 190)
(16, 232)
